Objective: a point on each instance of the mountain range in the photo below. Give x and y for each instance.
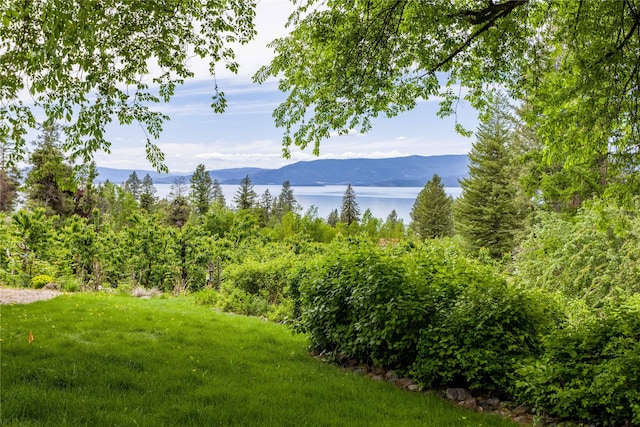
(411, 171)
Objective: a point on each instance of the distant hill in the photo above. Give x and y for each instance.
(412, 171)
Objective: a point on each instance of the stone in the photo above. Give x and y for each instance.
(458, 394)
(521, 410)
(51, 286)
(377, 377)
(490, 404)
(413, 387)
(404, 382)
(391, 376)
(469, 403)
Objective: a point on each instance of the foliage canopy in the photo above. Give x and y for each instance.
(89, 62)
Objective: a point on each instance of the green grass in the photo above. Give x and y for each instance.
(100, 360)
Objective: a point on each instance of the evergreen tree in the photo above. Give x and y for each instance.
(349, 211)
(201, 190)
(266, 206)
(393, 227)
(245, 195)
(86, 196)
(286, 202)
(486, 215)
(133, 185)
(179, 203)
(51, 182)
(432, 211)
(333, 218)
(148, 194)
(216, 194)
(9, 179)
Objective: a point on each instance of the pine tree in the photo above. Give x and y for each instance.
(86, 196)
(349, 211)
(201, 190)
(216, 194)
(486, 215)
(266, 207)
(179, 203)
(51, 181)
(9, 179)
(286, 202)
(148, 194)
(245, 195)
(333, 218)
(133, 185)
(432, 211)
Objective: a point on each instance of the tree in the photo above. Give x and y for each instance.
(576, 62)
(217, 194)
(333, 218)
(349, 211)
(201, 190)
(179, 209)
(148, 194)
(266, 206)
(51, 182)
(286, 202)
(9, 179)
(486, 215)
(133, 185)
(393, 227)
(245, 196)
(86, 196)
(88, 62)
(432, 211)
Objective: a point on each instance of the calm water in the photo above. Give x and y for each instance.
(381, 200)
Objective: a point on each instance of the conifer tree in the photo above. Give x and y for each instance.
(245, 195)
(432, 211)
(286, 202)
(333, 218)
(50, 182)
(349, 212)
(133, 185)
(148, 194)
(9, 179)
(179, 203)
(266, 207)
(216, 193)
(201, 190)
(486, 215)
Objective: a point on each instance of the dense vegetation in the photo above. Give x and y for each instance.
(547, 316)
(532, 294)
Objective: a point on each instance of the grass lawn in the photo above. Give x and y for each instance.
(104, 360)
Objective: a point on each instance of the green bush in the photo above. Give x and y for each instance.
(479, 339)
(269, 277)
(590, 369)
(38, 282)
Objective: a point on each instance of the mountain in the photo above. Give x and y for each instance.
(412, 171)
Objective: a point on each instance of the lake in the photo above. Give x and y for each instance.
(381, 200)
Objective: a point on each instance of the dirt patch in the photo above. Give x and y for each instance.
(25, 296)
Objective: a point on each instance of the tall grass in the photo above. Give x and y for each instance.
(101, 360)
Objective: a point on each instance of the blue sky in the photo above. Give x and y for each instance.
(246, 136)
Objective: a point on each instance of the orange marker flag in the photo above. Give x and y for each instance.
(30, 337)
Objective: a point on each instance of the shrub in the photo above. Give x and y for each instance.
(38, 282)
(478, 341)
(590, 369)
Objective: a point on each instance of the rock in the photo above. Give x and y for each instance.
(469, 403)
(377, 377)
(521, 410)
(413, 387)
(51, 286)
(391, 376)
(458, 394)
(524, 419)
(351, 363)
(490, 404)
(404, 382)
(359, 370)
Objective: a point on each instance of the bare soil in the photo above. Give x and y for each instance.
(26, 296)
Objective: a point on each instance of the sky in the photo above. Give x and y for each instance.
(246, 136)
